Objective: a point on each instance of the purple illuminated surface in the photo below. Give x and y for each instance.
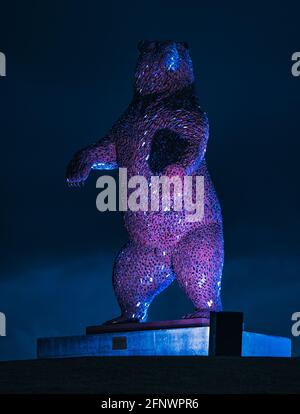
(163, 132)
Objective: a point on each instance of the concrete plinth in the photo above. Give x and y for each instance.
(153, 341)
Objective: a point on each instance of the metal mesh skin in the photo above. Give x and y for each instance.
(163, 132)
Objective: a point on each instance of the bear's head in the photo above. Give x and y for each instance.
(163, 66)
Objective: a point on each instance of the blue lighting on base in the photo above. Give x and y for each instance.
(258, 345)
(161, 342)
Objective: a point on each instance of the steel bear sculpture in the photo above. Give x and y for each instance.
(163, 132)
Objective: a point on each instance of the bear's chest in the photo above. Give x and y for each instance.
(135, 140)
(147, 142)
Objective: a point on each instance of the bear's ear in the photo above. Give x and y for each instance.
(184, 44)
(145, 45)
(141, 45)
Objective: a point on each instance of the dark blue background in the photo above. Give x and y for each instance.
(69, 76)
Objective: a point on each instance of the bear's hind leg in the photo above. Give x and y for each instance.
(198, 264)
(140, 273)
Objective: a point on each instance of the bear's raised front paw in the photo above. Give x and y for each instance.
(78, 169)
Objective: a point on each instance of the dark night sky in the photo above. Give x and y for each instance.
(69, 76)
